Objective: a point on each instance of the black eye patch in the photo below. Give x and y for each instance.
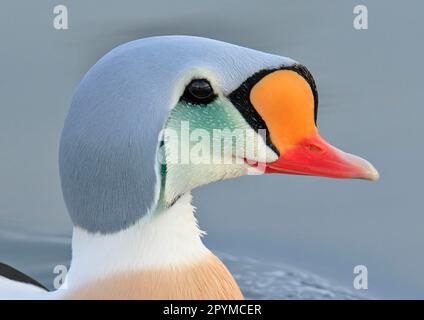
(198, 91)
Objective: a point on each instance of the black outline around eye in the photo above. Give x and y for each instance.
(189, 97)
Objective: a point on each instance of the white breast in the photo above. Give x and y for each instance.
(168, 239)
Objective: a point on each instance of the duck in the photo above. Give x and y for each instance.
(152, 120)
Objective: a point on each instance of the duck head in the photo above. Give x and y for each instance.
(157, 117)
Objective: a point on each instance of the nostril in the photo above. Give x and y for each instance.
(313, 148)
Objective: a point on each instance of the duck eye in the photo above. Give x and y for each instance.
(199, 91)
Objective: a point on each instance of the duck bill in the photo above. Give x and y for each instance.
(314, 156)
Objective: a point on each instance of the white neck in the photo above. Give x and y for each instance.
(169, 239)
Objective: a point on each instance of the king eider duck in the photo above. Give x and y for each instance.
(128, 162)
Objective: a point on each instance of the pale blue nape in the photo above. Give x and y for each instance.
(108, 161)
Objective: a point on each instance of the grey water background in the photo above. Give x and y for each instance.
(371, 104)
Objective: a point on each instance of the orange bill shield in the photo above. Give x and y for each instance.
(285, 101)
